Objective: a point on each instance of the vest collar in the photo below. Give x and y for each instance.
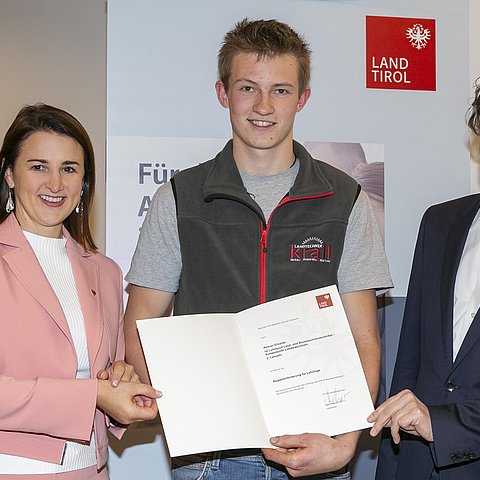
(223, 179)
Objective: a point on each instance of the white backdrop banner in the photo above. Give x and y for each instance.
(162, 68)
(163, 113)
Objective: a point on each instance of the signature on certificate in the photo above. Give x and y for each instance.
(332, 398)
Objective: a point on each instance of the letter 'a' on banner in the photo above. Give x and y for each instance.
(400, 53)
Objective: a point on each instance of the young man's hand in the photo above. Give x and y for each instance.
(312, 453)
(122, 402)
(119, 371)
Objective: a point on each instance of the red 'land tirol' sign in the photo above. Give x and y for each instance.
(400, 53)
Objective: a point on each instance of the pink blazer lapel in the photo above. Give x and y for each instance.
(24, 265)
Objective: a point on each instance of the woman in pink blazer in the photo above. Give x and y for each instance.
(61, 312)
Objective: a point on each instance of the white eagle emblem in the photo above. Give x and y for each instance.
(418, 36)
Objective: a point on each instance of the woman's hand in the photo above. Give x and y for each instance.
(117, 372)
(122, 402)
(120, 371)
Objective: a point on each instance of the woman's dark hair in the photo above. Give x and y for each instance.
(45, 118)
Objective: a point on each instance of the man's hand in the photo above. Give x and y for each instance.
(122, 404)
(312, 453)
(404, 411)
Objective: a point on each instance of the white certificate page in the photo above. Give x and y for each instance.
(234, 380)
(305, 365)
(208, 401)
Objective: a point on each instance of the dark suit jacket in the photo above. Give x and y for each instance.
(451, 390)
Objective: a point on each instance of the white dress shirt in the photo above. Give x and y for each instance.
(467, 286)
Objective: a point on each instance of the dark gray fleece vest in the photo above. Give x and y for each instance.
(232, 260)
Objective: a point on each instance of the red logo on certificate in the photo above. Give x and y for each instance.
(324, 301)
(400, 53)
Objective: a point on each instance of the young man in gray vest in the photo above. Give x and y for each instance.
(223, 236)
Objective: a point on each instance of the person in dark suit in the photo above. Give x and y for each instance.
(434, 411)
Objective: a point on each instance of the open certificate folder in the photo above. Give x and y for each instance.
(234, 380)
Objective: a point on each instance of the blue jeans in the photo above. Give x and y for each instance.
(251, 467)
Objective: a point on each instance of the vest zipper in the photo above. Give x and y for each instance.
(263, 241)
(263, 261)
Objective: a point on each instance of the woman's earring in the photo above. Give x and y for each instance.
(79, 207)
(10, 206)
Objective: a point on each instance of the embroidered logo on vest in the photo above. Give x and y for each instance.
(312, 249)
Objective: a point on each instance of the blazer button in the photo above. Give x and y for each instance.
(450, 386)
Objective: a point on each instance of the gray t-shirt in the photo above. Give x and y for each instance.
(157, 262)
(269, 190)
